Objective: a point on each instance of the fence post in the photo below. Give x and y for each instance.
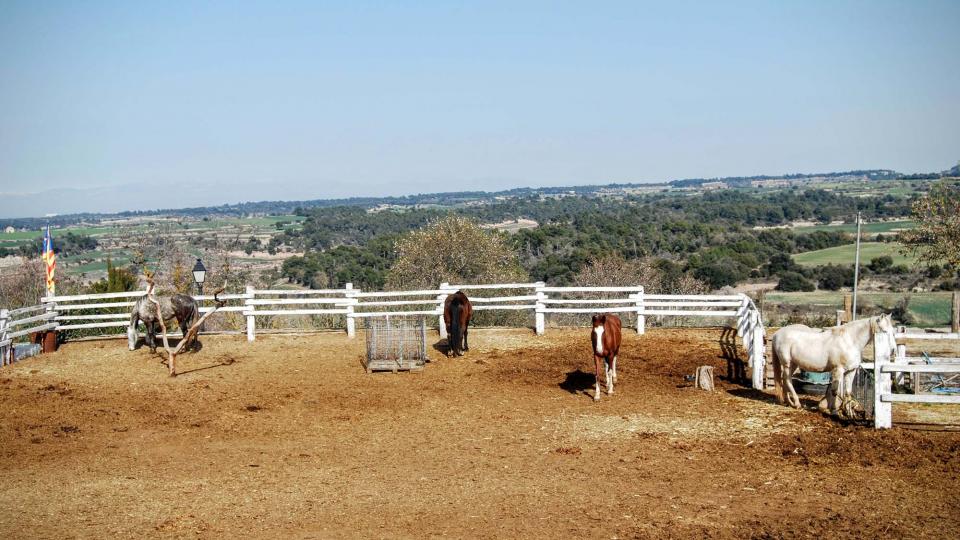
(641, 318)
(901, 359)
(251, 320)
(440, 298)
(955, 313)
(743, 314)
(757, 351)
(4, 350)
(882, 410)
(351, 322)
(540, 317)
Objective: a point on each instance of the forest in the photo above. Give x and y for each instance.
(710, 235)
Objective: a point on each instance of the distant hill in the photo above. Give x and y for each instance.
(450, 199)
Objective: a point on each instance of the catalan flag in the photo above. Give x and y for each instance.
(50, 259)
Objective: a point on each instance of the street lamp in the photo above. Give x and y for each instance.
(199, 274)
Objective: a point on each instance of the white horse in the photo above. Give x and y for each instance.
(837, 350)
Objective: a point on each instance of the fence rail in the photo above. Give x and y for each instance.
(109, 310)
(885, 368)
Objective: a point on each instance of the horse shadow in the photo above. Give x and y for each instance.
(578, 382)
(809, 403)
(442, 347)
(736, 366)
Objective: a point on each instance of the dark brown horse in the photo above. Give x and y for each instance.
(457, 312)
(605, 338)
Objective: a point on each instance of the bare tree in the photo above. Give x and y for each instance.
(191, 334)
(937, 234)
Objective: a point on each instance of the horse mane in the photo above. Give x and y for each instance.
(847, 328)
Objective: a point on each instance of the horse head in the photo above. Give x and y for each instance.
(599, 320)
(883, 324)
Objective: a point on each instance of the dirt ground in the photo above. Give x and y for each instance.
(290, 437)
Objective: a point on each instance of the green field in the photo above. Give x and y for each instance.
(931, 309)
(846, 254)
(866, 228)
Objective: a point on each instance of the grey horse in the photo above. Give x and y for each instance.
(180, 306)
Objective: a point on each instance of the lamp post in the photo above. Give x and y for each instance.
(199, 274)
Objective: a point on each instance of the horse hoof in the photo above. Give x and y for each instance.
(596, 398)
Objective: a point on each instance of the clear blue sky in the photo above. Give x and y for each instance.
(215, 103)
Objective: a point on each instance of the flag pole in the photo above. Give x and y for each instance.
(856, 271)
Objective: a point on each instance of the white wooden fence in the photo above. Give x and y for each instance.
(884, 366)
(110, 310)
(22, 322)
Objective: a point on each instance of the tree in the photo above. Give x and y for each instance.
(880, 264)
(936, 238)
(117, 280)
(832, 277)
(656, 277)
(453, 249)
(792, 281)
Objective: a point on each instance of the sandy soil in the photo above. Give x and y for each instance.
(290, 437)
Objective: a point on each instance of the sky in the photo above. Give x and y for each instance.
(111, 106)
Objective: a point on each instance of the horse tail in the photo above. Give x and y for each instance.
(456, 331)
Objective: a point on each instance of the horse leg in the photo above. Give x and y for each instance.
(849, 407)
(152, 336)
(787, 383)
(835, 392)
(596, 371)
(614, 369)
(132, 331)
(609, 373)
(466, 328)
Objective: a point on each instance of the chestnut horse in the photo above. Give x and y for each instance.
(457, 312)
(605, 338)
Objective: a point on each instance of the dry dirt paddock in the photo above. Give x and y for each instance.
(290, 437)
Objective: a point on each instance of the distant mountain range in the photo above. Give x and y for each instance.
(450, 199)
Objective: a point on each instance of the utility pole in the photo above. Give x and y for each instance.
(856, 270)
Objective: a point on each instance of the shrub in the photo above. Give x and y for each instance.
(793, 281)
(453, 249)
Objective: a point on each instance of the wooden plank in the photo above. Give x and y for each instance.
(682, 304)
(585, 301)
(435, 293)
(296, 312)
(919, 398)
(204, 309)
(284, 292)
(933, 336)
(27, 331)
(711, 297)
(94, 325)
(99, 296)
(92, 317)
(395, 313)
(21, 311)
(295, 301)
(921, 368)
(396, 303)
(496, 286)
(488, 308)
(685, 313)
(66, 307)
(589, 289)
(481, 299)
(208, 297)
(46, 316)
